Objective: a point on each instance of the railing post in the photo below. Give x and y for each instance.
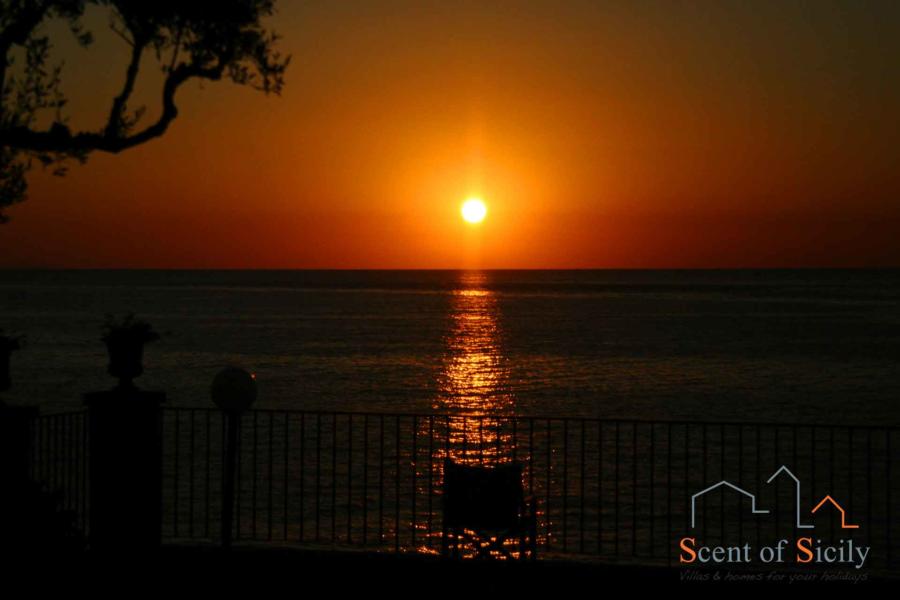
(125, 457)
(234, 391)
(234, 420)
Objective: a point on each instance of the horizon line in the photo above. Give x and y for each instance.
(450, 269)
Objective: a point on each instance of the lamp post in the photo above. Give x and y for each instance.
(234, 391)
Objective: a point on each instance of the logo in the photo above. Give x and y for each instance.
(808, 549)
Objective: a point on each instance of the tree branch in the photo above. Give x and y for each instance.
(59, 139)
(114, 125)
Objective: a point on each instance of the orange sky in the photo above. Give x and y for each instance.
(633, 134)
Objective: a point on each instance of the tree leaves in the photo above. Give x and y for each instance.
(189, 40)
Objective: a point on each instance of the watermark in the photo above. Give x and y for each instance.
(772, 576)
(803, 550)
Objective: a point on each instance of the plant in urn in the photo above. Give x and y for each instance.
(125, 341)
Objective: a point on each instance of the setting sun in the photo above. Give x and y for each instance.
(474, 210)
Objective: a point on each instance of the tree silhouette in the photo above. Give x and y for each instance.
(186, 39)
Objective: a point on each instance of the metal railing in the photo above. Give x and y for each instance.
(59, 461)
(615, 489)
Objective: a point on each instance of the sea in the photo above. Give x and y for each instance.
(791, 346)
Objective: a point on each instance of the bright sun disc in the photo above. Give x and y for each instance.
(474, 210)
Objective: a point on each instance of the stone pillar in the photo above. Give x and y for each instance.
(16, 491)
(16, 426)
(125, 447)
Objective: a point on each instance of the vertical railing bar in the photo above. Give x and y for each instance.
(668, 491)
(722, 478)
(286, 472)
(616, 493)
(239, 469)
(652, 481)
(255, 474)
(758, 476)
(365, 484)
(794, 430)
(465, 428)
(447, 458)
(318, 471)
(531, 457)
(831, 470)
(333, 477)
(397, 484)
(302, 476)
(497, 441)
(175, 483)
(68, 500)
(79, 462)
(52, 435)
(705, 461)
(565, 486)
(76, 460)
(887, 481)
(35, 471)
(869, 479)
(581, 509)
(430, 477)
(687, 474)
(812, 461)
(85, 426)
(740, 450)
(67, 464)
(64, 462)
(634, 482)
(54, 454)
(850, 469)
(270, 504)
(222, 453)
(47, 466)
(447, 437)
(350, 478)
(415, 426)
(192, 441)
(381, 480)
(73, 444)
(481, 439)
(549, 469)
(57, 446)
(163, 431)
(777, 481)
(600, 487)
(62, 457)
(73, 475)
(206, 494)
(35, 454)
(515, 439)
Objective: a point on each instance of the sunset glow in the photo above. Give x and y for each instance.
(590, 150)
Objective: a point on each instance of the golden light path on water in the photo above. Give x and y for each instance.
(474, 379)
(473, 390)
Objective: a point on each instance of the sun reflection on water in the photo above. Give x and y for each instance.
(474, 379)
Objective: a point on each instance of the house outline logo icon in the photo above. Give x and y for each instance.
(761, 511)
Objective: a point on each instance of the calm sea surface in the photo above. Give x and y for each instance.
(793, 346)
